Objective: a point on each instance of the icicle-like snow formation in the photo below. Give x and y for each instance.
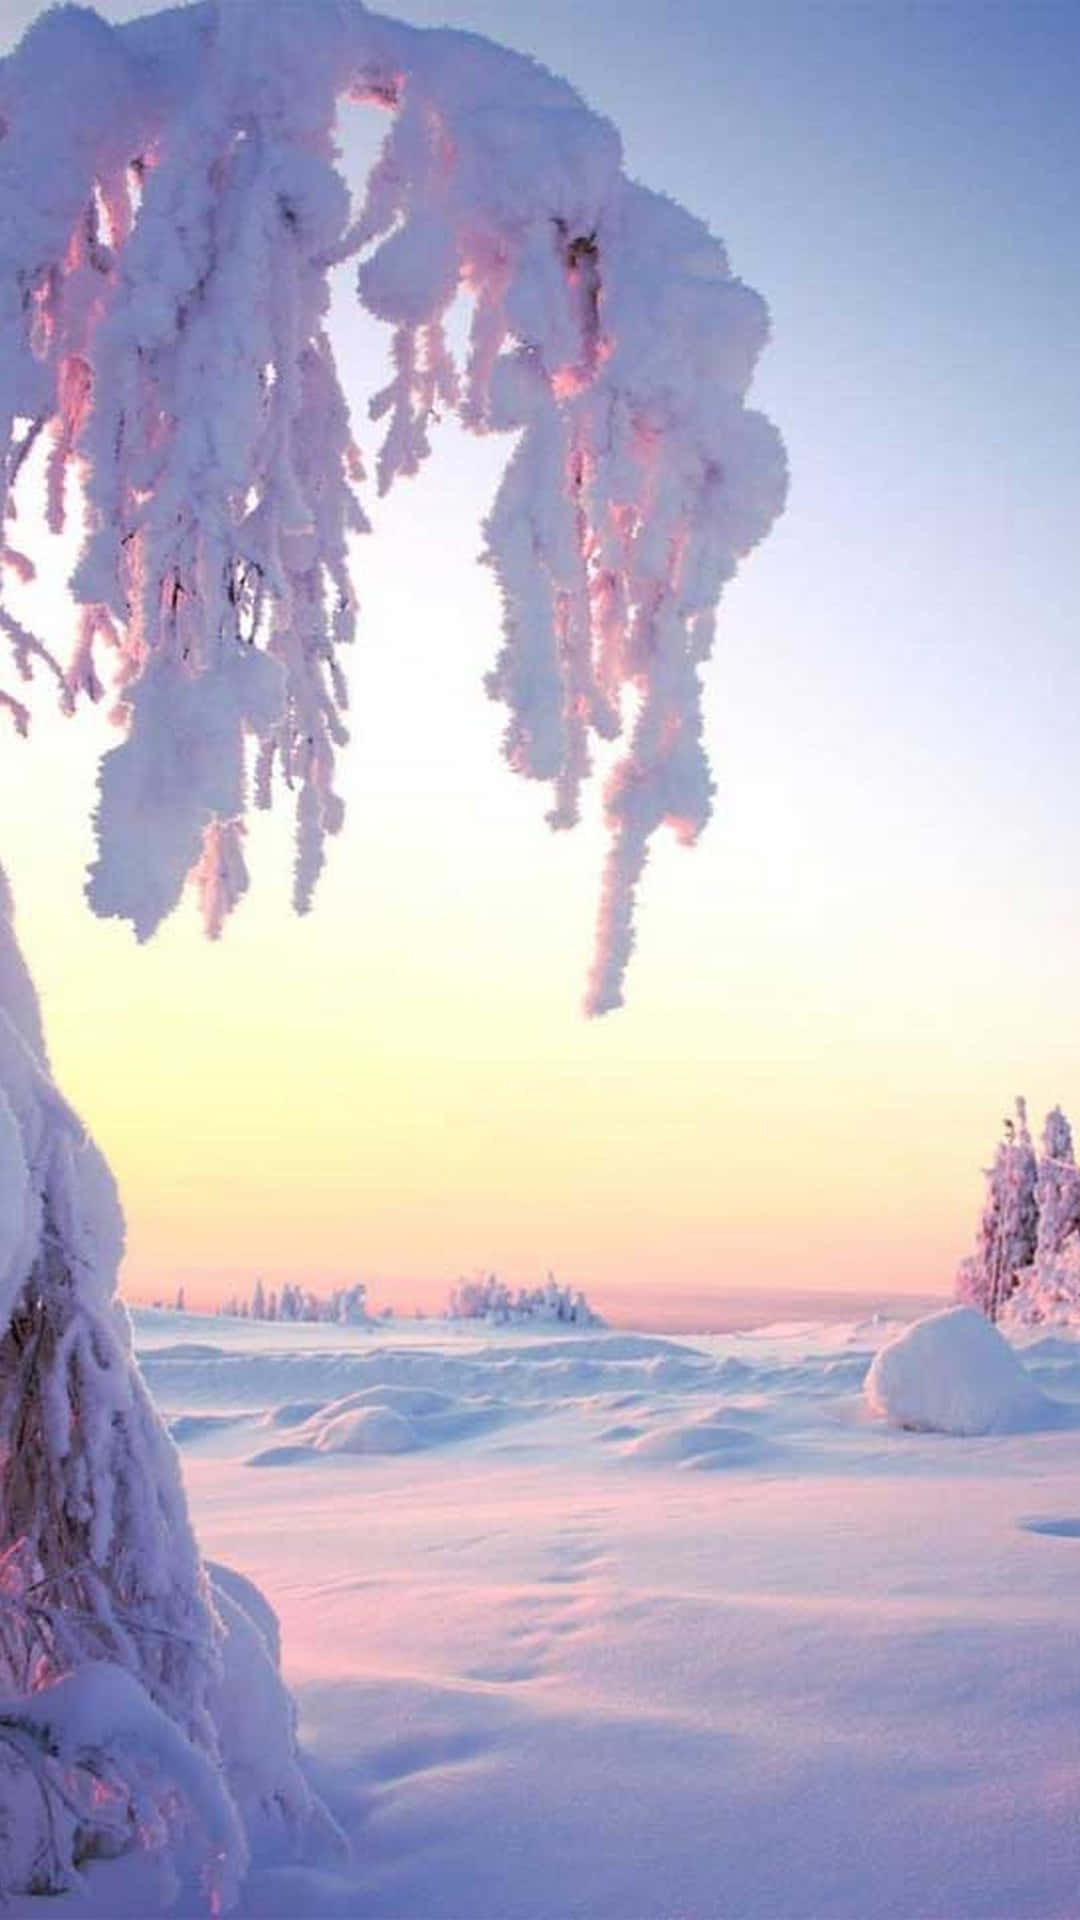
(163, 292)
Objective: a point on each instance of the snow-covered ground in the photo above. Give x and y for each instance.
(634, 1628)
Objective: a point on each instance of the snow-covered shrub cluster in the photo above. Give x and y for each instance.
(1026, 1267)
(170, 209)
(344, 1307)
(489, 1298)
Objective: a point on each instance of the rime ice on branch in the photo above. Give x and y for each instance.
(170, 207)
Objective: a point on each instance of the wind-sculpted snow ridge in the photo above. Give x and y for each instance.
(170, 209)
(263, 1374)
(641, 1401)
(777, 1399)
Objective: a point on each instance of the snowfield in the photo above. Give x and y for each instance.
(623, 1627)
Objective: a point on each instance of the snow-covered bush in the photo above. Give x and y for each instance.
(489, 1298)
(90, 1765)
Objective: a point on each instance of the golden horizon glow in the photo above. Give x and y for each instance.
(836, 995)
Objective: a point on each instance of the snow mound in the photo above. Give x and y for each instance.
(699, 1442)
(371, 1429)
(293, 1413)
(282, 1456)
(257, 1718)
(411, 1402)
(197, 1426)
(610, 1348)
(954, 1373)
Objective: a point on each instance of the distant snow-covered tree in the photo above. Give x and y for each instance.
(975, 1277)
(1049, 1289)
(489, 1298)
(348, 1305)
(343, 1306)
(484, 1298)
(1057, 1188)
(1021, 1214)
(170, 210)
(1008, 1228)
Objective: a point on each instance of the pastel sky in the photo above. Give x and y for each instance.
(877, 943)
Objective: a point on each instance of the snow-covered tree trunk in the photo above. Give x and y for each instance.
(104, 1598)
(98, 1562)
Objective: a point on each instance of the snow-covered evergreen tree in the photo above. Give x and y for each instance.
(97, 1558)
(489, 1298)
(1008, 1228)
(1021, 1219)
(170, 209)
(976, 1272)
(1049, 1289)
(1057, 1189)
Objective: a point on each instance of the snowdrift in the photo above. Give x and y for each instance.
(954, 1373)
(640, 1626)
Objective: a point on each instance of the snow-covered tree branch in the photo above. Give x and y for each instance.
(164, 269)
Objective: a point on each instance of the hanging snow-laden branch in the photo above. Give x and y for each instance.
(163, 294)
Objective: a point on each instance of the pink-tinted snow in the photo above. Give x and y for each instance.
(643, 1627)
